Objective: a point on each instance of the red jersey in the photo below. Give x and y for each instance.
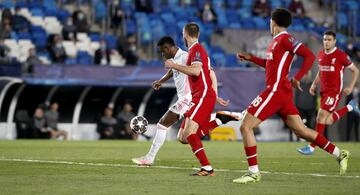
(331, 68)
(279, 56)
(201, 86)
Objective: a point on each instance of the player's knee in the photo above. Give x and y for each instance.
(244, 128)
(321, 117)
(329, 120)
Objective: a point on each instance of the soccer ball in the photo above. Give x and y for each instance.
(139, 124)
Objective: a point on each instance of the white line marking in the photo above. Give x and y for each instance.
(167, 167)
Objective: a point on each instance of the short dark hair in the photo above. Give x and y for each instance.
(192, 29)
(282, 17)
(331, 33)
(166, 40)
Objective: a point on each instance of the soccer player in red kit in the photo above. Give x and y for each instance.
(203, 95)
(332, 62)
(278, 95)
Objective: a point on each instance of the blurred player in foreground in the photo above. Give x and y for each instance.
(278, 95)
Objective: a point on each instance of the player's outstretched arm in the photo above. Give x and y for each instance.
(355, 75)
(246, 56)
(192, 70)
(157, 84)
(214, 85)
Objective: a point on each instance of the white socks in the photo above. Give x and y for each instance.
(254, 169)
(312, 149)
(350, 108)
(158, 141)
(336, 152)
(207, 167)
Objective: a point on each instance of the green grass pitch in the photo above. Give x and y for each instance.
(104, 167)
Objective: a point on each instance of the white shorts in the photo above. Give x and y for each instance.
(181, 106)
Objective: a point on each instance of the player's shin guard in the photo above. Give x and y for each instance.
(251, 157)
(340, 113)
(320, 128)
(326, 145)
(198, 149)
(205, 130)
(158, 140)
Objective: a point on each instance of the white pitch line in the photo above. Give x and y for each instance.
(168, 167)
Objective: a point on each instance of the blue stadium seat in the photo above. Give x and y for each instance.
(156, 63)
(24, 35)
(232, 4)
(236, 25)
(157, 29)
(143, 63)
(218, 3)
(83, 58)
(95, 37)
(231, 60)
(70, 61)
(248, 24)
(218, 59)
(100, 10)
(130, 27)
(37, 12)
(21, 4)
(173, 3)
(276, 4)
(342, 20)
(62, 15)
(232, 16)
(245, 13)
(8, 4)
(246, 4)
(111, 41)
(39, 40)
(168, 18)
(260, 23)
(201, 3)
(50, 5)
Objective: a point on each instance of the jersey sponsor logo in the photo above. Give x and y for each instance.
(327, 68)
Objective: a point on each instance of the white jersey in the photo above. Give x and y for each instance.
(181, 79)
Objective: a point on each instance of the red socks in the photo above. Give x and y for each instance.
(198, 149)
(205, 129)
(323, 143)
(336, 115)
(320, 129)
(251, 155)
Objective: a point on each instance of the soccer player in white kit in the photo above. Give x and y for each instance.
(170, 51)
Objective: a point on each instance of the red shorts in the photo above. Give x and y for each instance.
(200, 110)
(329, 101)
(269, 103)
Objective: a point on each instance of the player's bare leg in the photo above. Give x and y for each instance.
(247, 132)
(163, 125)
(295, 123)
(325, 118)
(192, 138)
